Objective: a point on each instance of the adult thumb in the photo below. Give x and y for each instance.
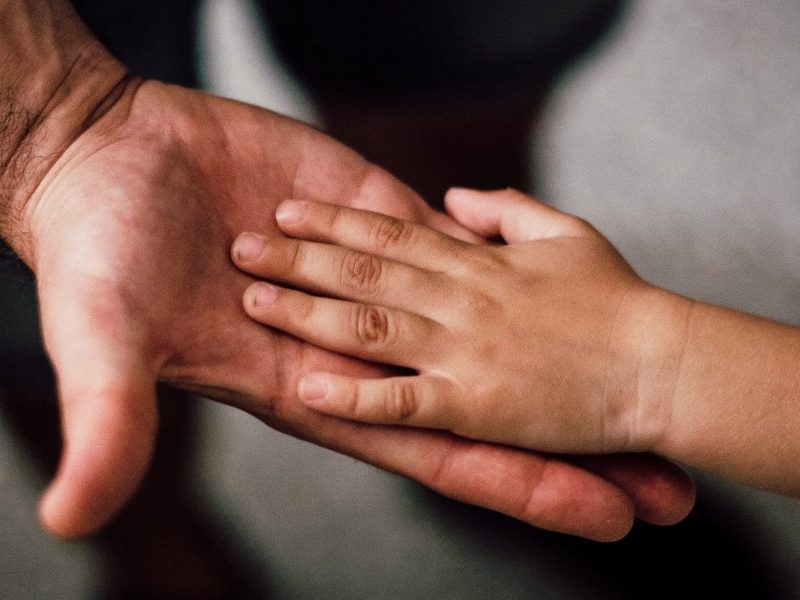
(107, 396)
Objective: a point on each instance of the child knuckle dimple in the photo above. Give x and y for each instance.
(390, 233)
(361, 272)
(480, 304)
(481, 262)
(491, 262)
(487, 351)
(372, 325)
(459, 252)
(400, 401)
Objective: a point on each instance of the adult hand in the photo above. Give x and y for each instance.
(128, 234)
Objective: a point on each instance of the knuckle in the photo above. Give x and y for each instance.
(372, 326)
(481, 260)
(390, 233)
(489, 261)
(477, 300)
(487, 352)
(400, 401)
(361, 272)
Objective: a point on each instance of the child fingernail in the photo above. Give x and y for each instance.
(262, 294)
(290, 211)
(248, 246)
(313, 389)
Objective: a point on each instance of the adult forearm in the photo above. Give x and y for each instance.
(55, 77)
(736, 407)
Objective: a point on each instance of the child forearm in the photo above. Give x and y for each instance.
(735, 409)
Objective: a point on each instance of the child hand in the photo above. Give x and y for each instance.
(549, 341)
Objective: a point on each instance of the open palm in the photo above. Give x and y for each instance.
(129, 238)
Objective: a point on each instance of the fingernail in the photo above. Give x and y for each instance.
(248, 246)
(312, 389)
(262, 294)
(290, 211)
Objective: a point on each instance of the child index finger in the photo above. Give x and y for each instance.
(371, 232)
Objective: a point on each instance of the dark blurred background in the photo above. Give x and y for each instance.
(673, 127)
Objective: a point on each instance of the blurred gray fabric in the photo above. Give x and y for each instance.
(681, 143)
(680, 140)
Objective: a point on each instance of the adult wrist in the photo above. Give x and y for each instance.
(57, 79)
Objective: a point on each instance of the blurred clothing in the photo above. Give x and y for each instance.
(377, 49)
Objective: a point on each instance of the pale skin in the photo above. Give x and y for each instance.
(123, 196)
(548, 341)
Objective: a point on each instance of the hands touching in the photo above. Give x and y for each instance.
(550, 342)
(125, 216)
(130, 229)
(128, 232)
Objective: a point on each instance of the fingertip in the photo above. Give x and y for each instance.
(670, 500)
(258, 296)
(89, 491)
(617, 527)
(662, 492)
(290, 212)
(247, 247)
(602, 511)
(457, 195)
(60, 516)
(54, 519)
(468, 208)
(109, 441)
(313, 390)
(663, 496)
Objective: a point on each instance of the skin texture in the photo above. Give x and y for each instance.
(549, 342)
(123, 197)
(440, 306)
(131, 227)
